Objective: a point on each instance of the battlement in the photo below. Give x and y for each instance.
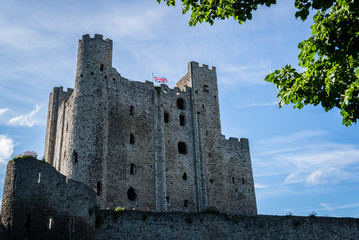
(97, 37)
(61, 90)
(194, 64)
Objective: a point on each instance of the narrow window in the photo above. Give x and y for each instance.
(51, 223)
(211, 180)
(186, 203)
(72, 227)
(166, 117)
(205, 88)
(99, 188)
(14, 184)
(182, 119)
(67, 127)
(131, 194)
(101, 67)
(243, 181)
(132, 169)
(209, 154)
(8, 226)
(74, 156)
(132, 139)
(27, 224)
(184, 176)
(180, 103)
(168, 200)
(232, 179)
(132, 109)
(39, 178)
(182, 148)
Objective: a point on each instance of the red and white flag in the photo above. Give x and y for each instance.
(160, 80)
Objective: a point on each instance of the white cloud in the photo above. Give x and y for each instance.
(28, 120)
(304, 157)
(259, 104)
(259, 185)
(3, 110)
(232, 74)
(313, 178)
(6, 148)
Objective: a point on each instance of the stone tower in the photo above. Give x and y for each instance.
(144, 147)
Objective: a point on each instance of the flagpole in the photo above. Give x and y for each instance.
(153, 79)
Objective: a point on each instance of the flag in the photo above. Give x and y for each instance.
(160, 80)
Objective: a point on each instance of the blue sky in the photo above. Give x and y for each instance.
(303, 161)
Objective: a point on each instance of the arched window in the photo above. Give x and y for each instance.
(181, 104)
(182, 148)
(99, 188)
(132, 169)
(205, 88)
(131, 194)
(132, 139)
(166, 117)
(182, 119)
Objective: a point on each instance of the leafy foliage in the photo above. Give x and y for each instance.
(210, 10)
(329, 58)
(330, 61)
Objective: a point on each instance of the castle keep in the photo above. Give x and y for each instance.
(140, 146)
(113, 142)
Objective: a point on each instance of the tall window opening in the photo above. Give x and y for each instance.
(132, 110)
(132, 139)
(166, 117)
(233, 179)
(131, 194)
(74, 156)
(27, 224)
(14, 184)
(99, 188)
(168, 200)
(184, 177)
(182, 148)
(101, 67)
(39, 178)
(181, 103)
(182, 119)
(205, 88)
(51, 223)
(243, 181)
(72, 228)
(132, 169)
(186, 203)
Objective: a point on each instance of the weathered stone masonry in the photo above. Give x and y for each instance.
(123, 143)
(145, 147)
(40, 203)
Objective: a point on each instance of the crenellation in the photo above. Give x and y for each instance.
(204, 66)
(115, 142)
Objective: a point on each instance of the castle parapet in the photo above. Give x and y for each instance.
(42, 203)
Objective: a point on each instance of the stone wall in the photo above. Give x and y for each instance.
(142, 225)
(40, 203)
